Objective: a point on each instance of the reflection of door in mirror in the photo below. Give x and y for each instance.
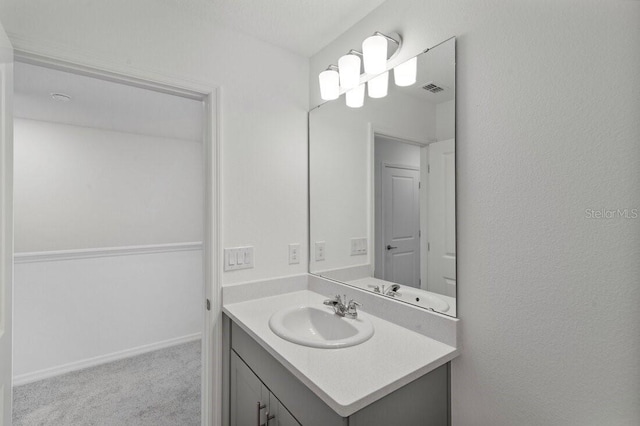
(441, 218)
(397, 201)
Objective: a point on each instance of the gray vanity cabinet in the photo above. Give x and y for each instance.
(256, 376)
(251, 402)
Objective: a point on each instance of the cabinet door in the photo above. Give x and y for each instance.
(247, 392)
(282, 416)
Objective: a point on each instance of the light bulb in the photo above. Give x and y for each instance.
(329, 85)
(405, 73)
(379, 86)
(374, 52)
(355, 97)
(349, 68)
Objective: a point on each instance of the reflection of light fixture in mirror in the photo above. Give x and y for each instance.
(379, 86)
(405, 73)
(329, 83)
(355, 97)
(349, 69)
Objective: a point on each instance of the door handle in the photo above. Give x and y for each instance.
(390, 247)
(260, 407)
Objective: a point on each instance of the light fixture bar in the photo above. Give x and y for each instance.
(391, 39)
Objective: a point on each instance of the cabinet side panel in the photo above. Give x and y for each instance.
(226, 369)
(423, 402)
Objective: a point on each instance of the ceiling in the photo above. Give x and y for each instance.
(104, 104)
(301, 26)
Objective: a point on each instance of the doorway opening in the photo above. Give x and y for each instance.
(112, 227)
(414, 203)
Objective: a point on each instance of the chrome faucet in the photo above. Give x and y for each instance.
(393, 290)
(349, 310)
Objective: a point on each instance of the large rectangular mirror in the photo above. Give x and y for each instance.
(382, 188)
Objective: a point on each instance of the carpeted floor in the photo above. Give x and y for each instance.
(155, 389)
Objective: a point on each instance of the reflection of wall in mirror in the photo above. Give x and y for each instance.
(340, 167)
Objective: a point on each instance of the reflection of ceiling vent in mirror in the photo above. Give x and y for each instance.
(432, 87)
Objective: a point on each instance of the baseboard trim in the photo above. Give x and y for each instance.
(35, 376)
(56, 255)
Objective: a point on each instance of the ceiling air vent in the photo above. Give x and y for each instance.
(433, 88)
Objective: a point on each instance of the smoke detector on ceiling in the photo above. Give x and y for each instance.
(60, 97)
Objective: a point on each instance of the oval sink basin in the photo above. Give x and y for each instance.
(319, 327)
(421, 298)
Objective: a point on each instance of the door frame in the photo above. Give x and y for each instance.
(374, 130)
(211, 96)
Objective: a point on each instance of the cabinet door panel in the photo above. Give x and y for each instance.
(282, 416)
(246, 392)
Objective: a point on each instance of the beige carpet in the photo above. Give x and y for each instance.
(160, 388)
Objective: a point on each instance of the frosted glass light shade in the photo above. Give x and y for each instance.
(405, 73)
(355, 97)
(379, 86)
(329, 85)
(349, 67)
(374, 52)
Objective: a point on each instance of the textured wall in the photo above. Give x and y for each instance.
(548, 100)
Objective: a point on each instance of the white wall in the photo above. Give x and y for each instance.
(547, 98)
(341, 168)
(80, 187)
(80, 311)
(263, 110)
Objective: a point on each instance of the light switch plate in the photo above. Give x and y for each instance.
(238, 258)
(358, 246)
(319, 250)
(294, 253)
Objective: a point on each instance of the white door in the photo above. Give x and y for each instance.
(442, 218)
(6, 223)
(401, 224)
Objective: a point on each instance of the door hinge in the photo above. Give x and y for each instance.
(428, 246)
(208, 305)
(419, 232)
(428, 168)
(419, 185)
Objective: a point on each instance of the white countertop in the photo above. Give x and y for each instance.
(365, 282)
(346, 379)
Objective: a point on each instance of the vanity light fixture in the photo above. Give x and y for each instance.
(349, 70)
(346, 76)
(405, 73)
(355, 97)
(329, 83)
(379, 86)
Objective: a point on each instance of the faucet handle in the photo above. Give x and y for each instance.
(376, 288)
(352, 311)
